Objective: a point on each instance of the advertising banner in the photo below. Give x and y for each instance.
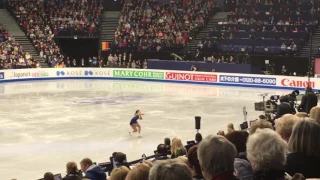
(248, 80)
(297, 82)
(93, 72)
(191, 77)
(30, 73)
(138, 74)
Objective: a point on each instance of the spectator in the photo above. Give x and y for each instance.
(216, 156)
(119, 173)
(92, 172)
(285, 124)
(198, 138)
(304, 147)
(193, 162)
(177, 149)
(230, 128)
(261, 124)
(48, 176)
(72, 172)
(140, 172)
(167, 142)
(241, 164)
(221, 133)
(161, 152)
(170, 170)
(301, 115)
(267, 155)
(121, 159)
(315, 113)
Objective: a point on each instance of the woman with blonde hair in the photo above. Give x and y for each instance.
(304, 148)
(315, 114)
(140, 172)
(177, 148)
(119, 173)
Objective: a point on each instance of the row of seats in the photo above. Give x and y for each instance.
(261, 35)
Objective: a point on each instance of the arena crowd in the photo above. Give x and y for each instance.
(12, 55)
(286, 149)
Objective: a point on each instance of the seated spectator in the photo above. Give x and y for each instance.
(170, 170)
(119, 173)
(216, 156)
(230, 128)
(121, 159)
(193, 162)
(283, 47)
(161, 152)
(72, 172)
(267, 155)
(285, 124)
(198, 138)
(261, 124)
(241, 164)
(140, 172)
(304, 148)
(221, 133)
(48, 176)
(177, 148)
(167, 142)
(92, 172)
(315, 114)
(302, 115)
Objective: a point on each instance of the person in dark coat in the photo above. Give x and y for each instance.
(308, 101)
(161, 153)
(284, 108)
(92, 172)
(72, 172)
(304, 147)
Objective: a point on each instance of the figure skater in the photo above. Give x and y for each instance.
(134, 122)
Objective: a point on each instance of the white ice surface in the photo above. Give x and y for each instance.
(44, 125)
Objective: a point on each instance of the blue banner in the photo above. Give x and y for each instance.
(247, 80)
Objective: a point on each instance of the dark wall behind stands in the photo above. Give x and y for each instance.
(79, 48)
(112, 5)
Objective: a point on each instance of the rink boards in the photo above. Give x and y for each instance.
(210, 78)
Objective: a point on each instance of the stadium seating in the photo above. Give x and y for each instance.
(263, 28)
(164, 26)
(12, 55)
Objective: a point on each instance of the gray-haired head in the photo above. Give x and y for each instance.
(170, 170)
(266, 150)
(216, 154)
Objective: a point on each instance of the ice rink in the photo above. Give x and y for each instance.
(44, 125)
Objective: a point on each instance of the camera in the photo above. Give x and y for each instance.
(270, 106)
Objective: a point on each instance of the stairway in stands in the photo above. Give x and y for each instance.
(15, 31)
(305, 51)
(218, 17)
(110, 21)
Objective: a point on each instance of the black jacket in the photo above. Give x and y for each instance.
(284, 108)
(300, 163)
(306, 105)
(73, 177)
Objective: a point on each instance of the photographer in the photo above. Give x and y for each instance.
(285, 107)
(309, 100)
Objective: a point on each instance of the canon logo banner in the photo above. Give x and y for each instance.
(297, 83)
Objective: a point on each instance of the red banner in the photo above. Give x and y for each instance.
(191, 77)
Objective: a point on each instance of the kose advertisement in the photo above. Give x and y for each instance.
(247, 80)
(191, 77)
